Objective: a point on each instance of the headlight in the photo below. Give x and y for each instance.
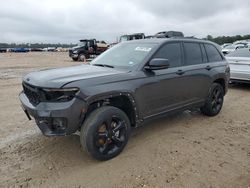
(60, 95)
(75, 52)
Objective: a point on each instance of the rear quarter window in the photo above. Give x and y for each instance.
(212, 53)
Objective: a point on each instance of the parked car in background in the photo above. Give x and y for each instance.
(239, 62)
(225, 45)
(231, 48)
(36, 49)
(20, 50)
(124, 87)
(3, 50)
(61, 49)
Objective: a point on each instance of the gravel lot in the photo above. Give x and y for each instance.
(183, 150)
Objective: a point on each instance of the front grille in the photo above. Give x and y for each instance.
(70, 52)
(32, 93)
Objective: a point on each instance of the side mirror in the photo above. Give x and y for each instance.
(157, 64)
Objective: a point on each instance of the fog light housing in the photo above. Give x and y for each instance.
(59, 124)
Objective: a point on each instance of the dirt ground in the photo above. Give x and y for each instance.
(183, 150)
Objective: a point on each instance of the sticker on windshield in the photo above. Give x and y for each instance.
(143, 49)
(131, 63)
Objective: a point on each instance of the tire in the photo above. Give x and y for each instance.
(75, 59)
(214, 101)
(81, 57)
(105, 133)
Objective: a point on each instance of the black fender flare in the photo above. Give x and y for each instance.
(109, 95)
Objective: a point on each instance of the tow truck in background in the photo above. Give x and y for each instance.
(87, 48)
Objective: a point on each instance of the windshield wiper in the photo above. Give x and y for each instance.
(103, 65)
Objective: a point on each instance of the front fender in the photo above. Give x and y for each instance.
(110, 95)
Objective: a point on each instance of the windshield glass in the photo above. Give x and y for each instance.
(240, 53)
(81, 44)
(125, 55)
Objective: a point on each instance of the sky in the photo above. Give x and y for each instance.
(67, 21)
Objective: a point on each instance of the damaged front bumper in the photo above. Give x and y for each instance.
(55, 118)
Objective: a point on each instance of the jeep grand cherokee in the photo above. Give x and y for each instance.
(125, 86)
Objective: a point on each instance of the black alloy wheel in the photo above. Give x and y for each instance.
(105, 132)
(214, 101)
(217, 99)
(110, 135)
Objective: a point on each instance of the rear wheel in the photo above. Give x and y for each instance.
(105, 132)
(214, 100)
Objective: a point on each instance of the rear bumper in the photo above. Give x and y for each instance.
(57, 118)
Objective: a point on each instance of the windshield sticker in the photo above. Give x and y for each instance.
(143, 49)
(131, 63)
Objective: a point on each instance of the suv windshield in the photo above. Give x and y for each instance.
(80, 44)
(124, 55)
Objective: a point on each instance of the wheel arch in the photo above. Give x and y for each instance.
(122, 100)
(222, 82)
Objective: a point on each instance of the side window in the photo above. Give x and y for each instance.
(212, 53)
(193, 53)
(172, 52)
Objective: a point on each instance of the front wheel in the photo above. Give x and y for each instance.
(214, 100)
(82, 57)
(105, 132)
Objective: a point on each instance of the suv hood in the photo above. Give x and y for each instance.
(56, 78)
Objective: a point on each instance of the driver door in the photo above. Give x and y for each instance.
(164, 90)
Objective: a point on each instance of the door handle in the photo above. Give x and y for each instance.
(180, 72)
(208, 67)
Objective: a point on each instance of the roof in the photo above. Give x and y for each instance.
(163, 40)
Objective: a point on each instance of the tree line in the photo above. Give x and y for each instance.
(227, 39)
(219, 40)
(34, 45)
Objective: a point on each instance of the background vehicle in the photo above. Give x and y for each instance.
(87, 48)
(19, 50)
(169, 34)
(124, 87)
(225, 45)
(49, 49)
(36, 49)
(239, 62)
(135, 36)
(2, 50)
(231, 48)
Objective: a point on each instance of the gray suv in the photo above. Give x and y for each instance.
(125, 86)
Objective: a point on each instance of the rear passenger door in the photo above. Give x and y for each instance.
(197, 71)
